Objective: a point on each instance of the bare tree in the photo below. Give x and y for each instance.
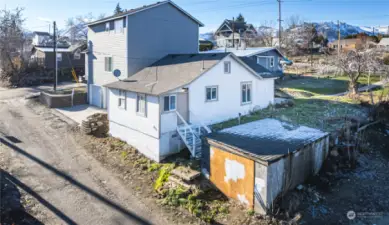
(293, 21)
(77, 28)
(356, 63)
(12, 39)
(266, 34)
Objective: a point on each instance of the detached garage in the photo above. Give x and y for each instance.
(256, 162)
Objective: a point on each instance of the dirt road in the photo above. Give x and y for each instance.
(71, 186)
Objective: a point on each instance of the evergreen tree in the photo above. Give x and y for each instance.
(240, 18)
(118, 9)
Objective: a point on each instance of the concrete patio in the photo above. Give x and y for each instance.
(80, 112)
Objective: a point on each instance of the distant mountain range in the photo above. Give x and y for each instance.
(330, 30)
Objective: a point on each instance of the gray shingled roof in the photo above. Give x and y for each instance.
(266, 140)
(262, 71)
(132, 11)
(169, 73)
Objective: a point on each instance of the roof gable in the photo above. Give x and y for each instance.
(145, 7)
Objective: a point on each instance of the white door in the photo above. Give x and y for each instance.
(96, 95)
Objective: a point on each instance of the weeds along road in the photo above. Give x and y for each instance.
(71, 186)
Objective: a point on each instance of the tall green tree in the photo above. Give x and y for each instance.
(240, 18)
(118, 9)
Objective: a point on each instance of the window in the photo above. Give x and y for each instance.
(108, 64)
(141, 104)
(107, 26)
(246, 93)
(272, 62)
(227, 67)
(211, 93)
(169, 103)
(258, 60)
(118, 26)
(59, 57)
(122, 100)
(77, 56)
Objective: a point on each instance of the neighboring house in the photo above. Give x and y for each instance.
(351, 44)
(39, 38)
(166, 106)
(268, 57)
(205, 45)
(67, 57)
(132, 40)
(232, 33)
(384, 43)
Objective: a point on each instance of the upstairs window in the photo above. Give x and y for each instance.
(271, 61)
(169, 103)
(246, 93)
(108, 64)
(118, 26)
(227, 67)
(141, 104)
(77, 56)
(122, 100)
(59, 57)
(211, 93)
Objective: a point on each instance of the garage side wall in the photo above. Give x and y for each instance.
(260, 188)
(233, 175)
(288, 172)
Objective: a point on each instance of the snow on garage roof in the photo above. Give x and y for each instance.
(267, 139)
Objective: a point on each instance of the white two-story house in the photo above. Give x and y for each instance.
(166, 106)
(130, 41)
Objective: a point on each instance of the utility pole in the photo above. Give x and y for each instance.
(55, 55)
(233, 32)
(338, 38)
(279, 22)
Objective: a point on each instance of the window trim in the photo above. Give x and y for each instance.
(217, 93)
(251, 93)
(144, 114)
(175, 105)
(229, 67)
(105, 65)
(122, 97)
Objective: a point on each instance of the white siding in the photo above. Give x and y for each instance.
(138, 131)
(102, 44)
(228, 104)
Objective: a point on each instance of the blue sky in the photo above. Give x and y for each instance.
(213, 12)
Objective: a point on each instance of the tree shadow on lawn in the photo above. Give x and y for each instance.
(130, 215)
(317, 86)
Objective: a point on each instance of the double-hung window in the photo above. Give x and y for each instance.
(107, 26)
(122, 100)
(118, 26)
(246, 92)
(227, 67)
(108, 64)
(169, 103)
(211, 93)
(141, 104)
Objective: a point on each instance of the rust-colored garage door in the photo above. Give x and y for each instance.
(233, 175)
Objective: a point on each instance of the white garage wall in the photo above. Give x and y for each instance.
(228, 104)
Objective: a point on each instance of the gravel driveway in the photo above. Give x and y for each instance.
(70, 186)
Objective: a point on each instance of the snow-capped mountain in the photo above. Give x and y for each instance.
(330, 30)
